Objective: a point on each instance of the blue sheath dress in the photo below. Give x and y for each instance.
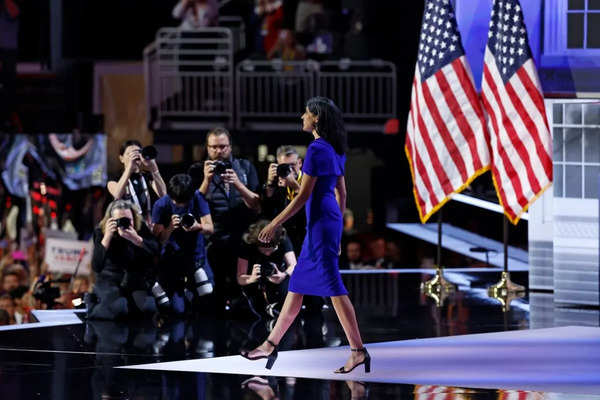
(317, 271)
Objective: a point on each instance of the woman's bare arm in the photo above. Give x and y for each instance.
(308, 184)
(340, 193)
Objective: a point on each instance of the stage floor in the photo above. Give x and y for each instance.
(466, 349)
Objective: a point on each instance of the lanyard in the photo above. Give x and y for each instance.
(134, 196)
(292, 193)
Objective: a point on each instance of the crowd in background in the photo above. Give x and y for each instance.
(229, 208)
(290, 30)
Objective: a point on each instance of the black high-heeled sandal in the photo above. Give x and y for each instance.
(270, 358)
(366, 362)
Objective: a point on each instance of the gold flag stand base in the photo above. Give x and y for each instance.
(506, 291)
(438, 288)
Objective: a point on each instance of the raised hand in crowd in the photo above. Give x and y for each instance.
(131, 235)
(109, 231)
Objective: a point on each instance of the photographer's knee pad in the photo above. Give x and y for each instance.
(202, 284)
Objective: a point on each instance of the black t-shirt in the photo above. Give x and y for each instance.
(295, 226)
(254, 256)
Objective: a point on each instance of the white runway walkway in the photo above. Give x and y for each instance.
(565, 360)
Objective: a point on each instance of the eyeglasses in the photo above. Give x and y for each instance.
(218, 146)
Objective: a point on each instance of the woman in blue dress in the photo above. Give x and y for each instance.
(323, 190)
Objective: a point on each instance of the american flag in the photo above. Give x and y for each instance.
(512, 98)
(446, 139)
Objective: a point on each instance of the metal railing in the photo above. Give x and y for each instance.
(374, 291)
(190, 85)
(189, 78)
(271, 94)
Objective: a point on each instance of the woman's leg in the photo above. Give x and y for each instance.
(291, 308)
(345, 313)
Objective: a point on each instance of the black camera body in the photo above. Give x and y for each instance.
(123, 223)
(187, 220)
(283, 170)
(46, 293)
(267, 269)
(221, 166)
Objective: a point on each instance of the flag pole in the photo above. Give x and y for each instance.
(438, 288)
(505, 290)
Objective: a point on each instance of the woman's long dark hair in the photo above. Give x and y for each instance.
(330, 125)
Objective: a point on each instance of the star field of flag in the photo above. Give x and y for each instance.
(439, 42)
(507, 37)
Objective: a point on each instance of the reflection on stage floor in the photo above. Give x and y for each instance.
(77, 361)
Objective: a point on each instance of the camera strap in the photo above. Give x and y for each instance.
(292, 193)
(134, 196)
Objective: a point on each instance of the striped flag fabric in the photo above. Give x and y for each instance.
(512, 98)
(446, 139)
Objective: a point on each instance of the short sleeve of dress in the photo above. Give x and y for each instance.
(322, 160)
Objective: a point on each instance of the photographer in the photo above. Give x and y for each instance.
(283, 184)
(181, 219)
(124, 252)
(140, 171)
(230, 186)
(263, 268)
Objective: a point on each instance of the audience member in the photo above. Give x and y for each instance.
(307, 8)
(196, 14)
(4, 317)
(287, 49)
(393, 253)
(353, 259)
(10, 281)
(230, 185)
(271, 12)
(377, 253)
(181, 218)
(8, 304)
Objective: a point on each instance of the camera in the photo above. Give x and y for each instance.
(283, 170)
(46, 293)
(267, 269)
(149, 153)
(123, 223)
(187, 220)
(222, 166)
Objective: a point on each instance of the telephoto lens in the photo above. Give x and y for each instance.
(187, 220)
(160, 296)
(149, 152)
(203, 285)
(123, 223)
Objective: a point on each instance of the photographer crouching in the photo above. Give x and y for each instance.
(124, 252)
(263, 269)
(181, 219)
